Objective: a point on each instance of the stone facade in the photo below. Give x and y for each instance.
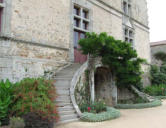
(39, 33)
(155, 48)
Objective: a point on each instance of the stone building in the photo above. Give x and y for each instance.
(37, 36)
(156, 47)
(42, 35)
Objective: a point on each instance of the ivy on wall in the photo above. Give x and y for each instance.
(121, 58)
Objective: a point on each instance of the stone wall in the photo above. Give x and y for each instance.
(125, 94)
(37, 42)
(156, 49)
(19, 60)
(105, 21)
(42, 21)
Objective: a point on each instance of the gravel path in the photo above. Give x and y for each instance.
(140, 118)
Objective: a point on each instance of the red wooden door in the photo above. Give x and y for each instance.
(78, 56)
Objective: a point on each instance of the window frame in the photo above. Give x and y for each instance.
(128, 36)
(127, 10)
(84, 22)
(6, 5)
(82, 19)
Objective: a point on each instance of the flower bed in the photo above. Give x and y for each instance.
(111, 113)
(154, 103)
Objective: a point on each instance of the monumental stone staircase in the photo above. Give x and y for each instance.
(65, 107)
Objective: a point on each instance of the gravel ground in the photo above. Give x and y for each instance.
(133, 118)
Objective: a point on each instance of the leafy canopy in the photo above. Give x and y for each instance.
(121, 58)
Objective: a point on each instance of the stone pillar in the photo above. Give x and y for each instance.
(114, 92)
(92, 87)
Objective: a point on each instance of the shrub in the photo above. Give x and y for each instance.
(158, 74)
(118, 55)
(5, 101)
(154, 103)
(95, 107)
(132, 101)
(156, 90)
(35, 96)
(16, 122)
(33, 120)
(110, 113)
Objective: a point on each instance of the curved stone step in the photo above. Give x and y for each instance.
(68, 117)
(62, 83)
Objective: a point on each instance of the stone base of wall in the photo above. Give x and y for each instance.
(125, 94)
(19, 60)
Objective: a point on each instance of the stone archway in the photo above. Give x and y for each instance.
(104, 87)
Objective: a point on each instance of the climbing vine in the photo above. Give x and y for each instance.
(121, 58)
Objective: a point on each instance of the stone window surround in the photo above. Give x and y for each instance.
(6, 18)
(128, 10)
(128, 35)
(81, 19)
(87, 6)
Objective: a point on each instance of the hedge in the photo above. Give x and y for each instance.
(160, 97)
(154, 103)
(111, 113)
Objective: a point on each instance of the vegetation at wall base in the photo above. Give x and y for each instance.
(156, 90)
(95, 107)
(111, 113)
(6, 97)
(35, 96)
(16, 122)
(158, 74)
(154, 103)
(121, 58)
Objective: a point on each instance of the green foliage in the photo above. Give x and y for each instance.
(95, 107)
(5, 99)
(35, 95)
(118, 55)
(158, 74)
(156, 90)
(160, 56)
(154, 103)
(16, 122)
(33, 120)
(110, 113)
(160, 97)
(132, 101)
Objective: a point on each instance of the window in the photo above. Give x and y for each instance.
(1, 13)
(127, 7)
(129, 35)
(81, 23)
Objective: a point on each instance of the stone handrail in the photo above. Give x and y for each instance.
(73, 84)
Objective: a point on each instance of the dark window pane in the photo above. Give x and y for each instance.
(85, 25)
(130, 34)
(126, 32)
(85, 14)
(125, 7)
(129, 10)
(76, 10)
(1, 12)
(131, 40)
(82, 36)
(76, 22)
(126, 39)
(76, 38)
